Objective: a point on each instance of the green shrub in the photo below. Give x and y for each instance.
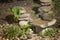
(26, 26)
(11, 31)
(25, 29)
(16, 11)
(47, 32)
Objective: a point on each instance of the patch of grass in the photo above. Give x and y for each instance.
(47, 32)
(25, 28)
(11, 31)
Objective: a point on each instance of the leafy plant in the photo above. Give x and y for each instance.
(11, 31)
(25, 28)
(47, 32)
(15, 12)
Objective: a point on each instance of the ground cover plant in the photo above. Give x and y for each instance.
(11, 32)
(47, 32)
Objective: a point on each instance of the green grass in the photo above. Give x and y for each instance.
(11, 31)
(47, 32)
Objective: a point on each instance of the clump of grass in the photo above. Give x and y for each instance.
(47, 32)
(26, 26)
(11, 31)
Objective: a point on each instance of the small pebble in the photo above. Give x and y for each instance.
(29, 36)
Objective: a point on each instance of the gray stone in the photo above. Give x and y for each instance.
(21, 23)
(29, 36)
(46, 0)
(23, 37)
(22, 11)
(26, 19)
(45, 8)
(48, 3)
(48, 16)
(45, 16)
(52, 22)
(25, 15)
(30, 20)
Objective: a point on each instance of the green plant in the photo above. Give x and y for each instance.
(56, 4)
(11, 31)
(16, 12)
(47, 32)
(26, 26)
(25, 29)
